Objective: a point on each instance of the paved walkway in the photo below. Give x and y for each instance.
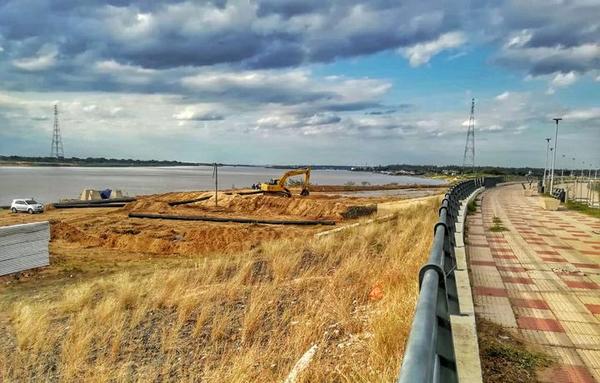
(541, 276)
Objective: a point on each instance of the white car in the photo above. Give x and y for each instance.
(27, 205)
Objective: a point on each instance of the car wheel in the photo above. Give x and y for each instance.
(30, 211)
(13, 210)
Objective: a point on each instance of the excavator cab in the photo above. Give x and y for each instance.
(278, 186)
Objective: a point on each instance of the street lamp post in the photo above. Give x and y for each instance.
(562, 170)
(546, 166)
(574, 168)
(555, 150)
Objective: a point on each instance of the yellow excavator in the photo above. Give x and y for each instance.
(277, 186)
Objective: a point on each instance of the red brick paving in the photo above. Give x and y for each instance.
(523, 281)
(546, 252)
(587, 265)
(594, 309)
(553, 259)
(530, 303)
(562, 373)
(590, 252)
(514, 269)
(582, 285)
(538, 244)
(483, 263)
(478, 245)
(490, 291)
(530, 323)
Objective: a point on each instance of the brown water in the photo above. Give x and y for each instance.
(50, 184)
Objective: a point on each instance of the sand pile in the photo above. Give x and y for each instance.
(70, 233)
(170, 238)
(148, 204)
(275, 206)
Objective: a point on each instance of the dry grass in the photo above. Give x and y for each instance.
(234, 318)
(505, 357)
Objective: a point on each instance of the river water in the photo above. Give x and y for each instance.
(50, 184)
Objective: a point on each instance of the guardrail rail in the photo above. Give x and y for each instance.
(429, 355)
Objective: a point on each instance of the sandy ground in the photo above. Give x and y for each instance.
(103, 228)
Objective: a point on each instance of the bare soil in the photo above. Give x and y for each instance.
(112, 229)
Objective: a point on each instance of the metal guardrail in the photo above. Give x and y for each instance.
(429, 355)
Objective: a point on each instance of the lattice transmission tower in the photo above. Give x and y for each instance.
(469, 157)
(56, 149)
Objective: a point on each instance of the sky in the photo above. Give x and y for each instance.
(302, 81)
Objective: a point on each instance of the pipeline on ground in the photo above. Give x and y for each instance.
(231, 219)
(87, 205)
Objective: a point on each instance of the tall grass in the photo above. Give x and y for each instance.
(247, 317)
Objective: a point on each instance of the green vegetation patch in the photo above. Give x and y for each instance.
(497, 227)
(471, 207)
(583, 208)
(505, 357)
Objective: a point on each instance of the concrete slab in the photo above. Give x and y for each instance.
(466, 349)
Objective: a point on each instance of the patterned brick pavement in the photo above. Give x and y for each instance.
(540, 277)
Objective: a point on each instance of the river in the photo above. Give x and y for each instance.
(50, 184)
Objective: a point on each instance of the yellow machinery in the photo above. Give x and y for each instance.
(277, 186)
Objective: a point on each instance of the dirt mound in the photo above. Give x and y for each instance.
(69, 233)
(187, 238)
(270, 206)
(149, 205)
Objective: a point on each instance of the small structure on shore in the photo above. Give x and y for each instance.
(91, 194)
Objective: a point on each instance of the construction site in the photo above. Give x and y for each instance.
(216, 284)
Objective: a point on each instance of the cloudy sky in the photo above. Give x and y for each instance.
(301, 81)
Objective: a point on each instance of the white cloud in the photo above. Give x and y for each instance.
(492, 128)
(420, 54)
(561, 80)
(518, 39)
(198, 112)
(564, 79)
(45, 59)
(583, 114)
(549, 60)
(503, 96)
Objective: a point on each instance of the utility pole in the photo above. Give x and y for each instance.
(562, 170)
(574, 169)
(546, 166)
(469, 156)
(216, 177)
(555, 150)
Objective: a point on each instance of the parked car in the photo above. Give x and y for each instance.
(27, 205)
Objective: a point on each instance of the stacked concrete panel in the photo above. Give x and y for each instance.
(24, 247)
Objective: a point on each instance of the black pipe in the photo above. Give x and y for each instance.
(231, 219)
(250, 192)
(97, 201)
(176, 203)
(86, 205)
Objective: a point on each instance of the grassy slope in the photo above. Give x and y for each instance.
(246, 317)
(583, 208)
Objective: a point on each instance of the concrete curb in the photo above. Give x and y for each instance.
(464, 331)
